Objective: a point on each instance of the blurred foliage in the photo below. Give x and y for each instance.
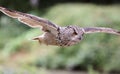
(96, 51)
(103, 48)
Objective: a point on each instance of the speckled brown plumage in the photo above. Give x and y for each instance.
(54, 34)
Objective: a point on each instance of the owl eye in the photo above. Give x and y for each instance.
(74, 33)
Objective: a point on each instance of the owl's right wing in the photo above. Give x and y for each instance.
(88, 30)
(31, 20)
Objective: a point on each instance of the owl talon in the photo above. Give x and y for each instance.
(37, 39)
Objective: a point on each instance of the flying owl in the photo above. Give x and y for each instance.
(54, 34)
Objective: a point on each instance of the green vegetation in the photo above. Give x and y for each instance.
(95, 52)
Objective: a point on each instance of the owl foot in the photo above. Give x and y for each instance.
(37, 38)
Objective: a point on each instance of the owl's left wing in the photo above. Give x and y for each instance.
(88, 30)
(31, 20)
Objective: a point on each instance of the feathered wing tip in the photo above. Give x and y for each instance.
(11, 13)
(88, 30)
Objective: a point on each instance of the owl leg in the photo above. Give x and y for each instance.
(37, 38)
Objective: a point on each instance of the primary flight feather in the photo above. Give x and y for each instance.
(54, 34)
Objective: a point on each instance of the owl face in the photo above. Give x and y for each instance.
(75, 38)
(69, 36)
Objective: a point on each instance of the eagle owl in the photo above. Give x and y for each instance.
(54, 34)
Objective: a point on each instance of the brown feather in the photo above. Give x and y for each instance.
(100, 29)
(31, 20)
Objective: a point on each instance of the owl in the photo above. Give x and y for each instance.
(54, 34)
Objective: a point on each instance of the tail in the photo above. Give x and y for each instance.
(100, 29)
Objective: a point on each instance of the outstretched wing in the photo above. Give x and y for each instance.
(100, 29)
(31, 20)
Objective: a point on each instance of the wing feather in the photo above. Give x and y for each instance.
(100, 29)
(31, 20)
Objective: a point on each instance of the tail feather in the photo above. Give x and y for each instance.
(100, 29)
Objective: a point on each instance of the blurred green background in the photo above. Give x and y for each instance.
(96, 53)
